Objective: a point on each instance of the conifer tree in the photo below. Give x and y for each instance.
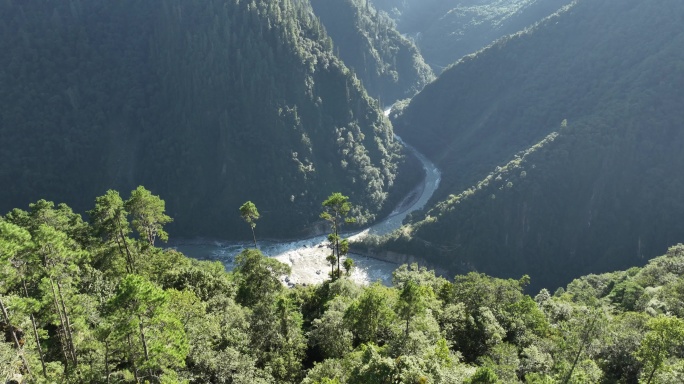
(109, 220)
(148, 215)
(152, 336)
(250, 214)
(335, 210)
(13, 240)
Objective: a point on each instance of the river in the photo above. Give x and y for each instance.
(307, 257)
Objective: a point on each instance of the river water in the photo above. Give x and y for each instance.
(306, 257)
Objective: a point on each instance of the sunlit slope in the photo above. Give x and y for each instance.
(605, 192)
(446, 30)
(209, 104)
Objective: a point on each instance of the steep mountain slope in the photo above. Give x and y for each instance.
(206, 103)
(446, 30)
(389, 65)
(603, 192)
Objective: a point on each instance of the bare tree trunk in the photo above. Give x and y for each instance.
(151, 236)
(64, 342)
(655, 366)
(585, 340)
(106, 360)
(144, 343)
(121, 251)
(20, 350)
(63, 339)
(337, 244)
(131, 358)
(72, 349)
(129, 257)
(650, 377)
(35, 333)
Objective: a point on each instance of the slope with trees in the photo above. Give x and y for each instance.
(603, 81)
(446, 30)
(388, 64)
(74, 312)
(208, 103)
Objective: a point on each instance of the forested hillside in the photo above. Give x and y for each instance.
(604, 190)
(446, 30)
(389, 65)
(209, 103)
(98, 302)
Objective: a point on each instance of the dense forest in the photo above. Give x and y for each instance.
(561, 147)
(207, 102)
(98, 302)
(446, 30)
(557, 217)
(388, 64)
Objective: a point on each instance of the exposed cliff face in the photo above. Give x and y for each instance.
(206, 104)
(603, 192)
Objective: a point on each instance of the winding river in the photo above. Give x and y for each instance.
(307, 257)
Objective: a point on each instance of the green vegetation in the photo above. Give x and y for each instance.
(210, 103)
(214, 102)
(336, 208)
(76, 308)
(250, 214)
(560, 148)
(389, 65)
(446, 30)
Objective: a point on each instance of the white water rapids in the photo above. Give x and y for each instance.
(307, 257)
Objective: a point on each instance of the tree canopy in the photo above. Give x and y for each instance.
(72, 312)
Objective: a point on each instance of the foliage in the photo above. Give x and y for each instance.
(370, 316)
(250, 214)
(389, 65)
(559, 155)
(68, 316)
(148, 215)
(336, 209)
(142, 325)
(257, 276)
(207, 103)
(445, 31)
(484, 375)
(665, 335)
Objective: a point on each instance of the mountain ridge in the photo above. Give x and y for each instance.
(211, 104)
(389, 65)
(604, 194)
